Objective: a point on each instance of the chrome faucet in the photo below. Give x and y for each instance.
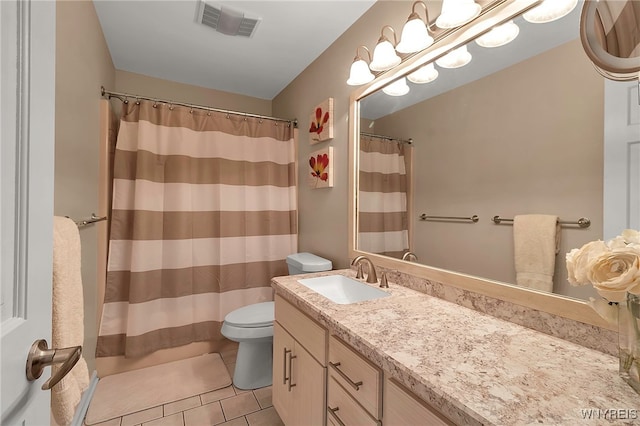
(372, 277)
(409, 256)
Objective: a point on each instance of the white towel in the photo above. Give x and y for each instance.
(68, 317)
(536, 239)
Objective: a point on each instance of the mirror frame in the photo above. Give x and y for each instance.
(562, 306)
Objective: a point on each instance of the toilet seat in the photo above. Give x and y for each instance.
(251, 316)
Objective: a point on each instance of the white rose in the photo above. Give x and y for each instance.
(617, 270)
(631, 236)
(617, 242)
(578, 261)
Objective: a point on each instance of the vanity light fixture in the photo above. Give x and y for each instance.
(397, 88)
(457, 12)
(360, 73)
(550, 10)
(455, 59)
(499, 35)
(384, 54)
(425, 74)
(415, 33)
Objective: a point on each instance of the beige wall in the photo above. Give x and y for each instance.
(83, 64)
(324, 212)
(138, 84)
(528, 139)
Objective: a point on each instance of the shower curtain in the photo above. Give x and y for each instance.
(203, 216)
(382, 203)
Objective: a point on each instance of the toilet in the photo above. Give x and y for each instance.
(252, 327)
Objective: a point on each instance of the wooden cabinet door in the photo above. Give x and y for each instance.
(283, 400)
(309, 378)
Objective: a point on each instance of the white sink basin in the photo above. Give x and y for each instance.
(343, 290)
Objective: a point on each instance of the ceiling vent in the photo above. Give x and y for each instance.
(226, 20)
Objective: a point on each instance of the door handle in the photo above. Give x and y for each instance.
(40, 356)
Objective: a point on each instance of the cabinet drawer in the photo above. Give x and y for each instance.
(306, 331)
(341, 407)
(357, 375)
(403, 408)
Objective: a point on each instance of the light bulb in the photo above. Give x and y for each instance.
(550, 10)
(500, 35)
(397, 88)
(384, 56)
(455, 59)
(425, 74)
(415, 36)
(457, 12)
(360, 73)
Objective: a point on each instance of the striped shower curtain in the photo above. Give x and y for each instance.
(382, 202)
(203, 216)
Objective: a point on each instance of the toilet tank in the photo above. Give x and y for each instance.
(304, 263)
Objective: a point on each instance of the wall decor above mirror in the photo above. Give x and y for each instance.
(517, 131)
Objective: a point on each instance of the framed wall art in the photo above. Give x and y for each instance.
(321, 127)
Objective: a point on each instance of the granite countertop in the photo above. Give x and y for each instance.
(474, 368)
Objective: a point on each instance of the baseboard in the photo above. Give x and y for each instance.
(83, 405)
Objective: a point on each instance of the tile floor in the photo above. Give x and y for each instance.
(226, 407)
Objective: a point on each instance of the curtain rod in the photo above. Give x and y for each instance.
(124, 98)
(388, 138)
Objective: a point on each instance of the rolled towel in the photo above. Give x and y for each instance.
(536, 239)
(68, 317)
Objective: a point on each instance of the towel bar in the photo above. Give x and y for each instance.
(583, 222)
(93, 219)
(473, 218)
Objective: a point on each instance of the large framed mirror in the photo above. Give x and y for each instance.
(519, 130)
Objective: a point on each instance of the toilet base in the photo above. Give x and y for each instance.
(254, 365)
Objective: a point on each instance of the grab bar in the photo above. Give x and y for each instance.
(473, 218)
(583, 222)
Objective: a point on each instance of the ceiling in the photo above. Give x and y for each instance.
(162, 39)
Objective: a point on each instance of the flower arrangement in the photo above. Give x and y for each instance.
(613, 268)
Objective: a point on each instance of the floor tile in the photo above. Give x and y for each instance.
(182, 405)
(238, 391)
(217, 395)
(263, 395)
(172, 420)
(240, 405)
(113, 422)
(240, 421)
(209, 414)
(231, 368)
(142, 416)
(268, 417)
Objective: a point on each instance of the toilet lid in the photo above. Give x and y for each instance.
(256, 315)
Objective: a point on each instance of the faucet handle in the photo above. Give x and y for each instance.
(383, 280)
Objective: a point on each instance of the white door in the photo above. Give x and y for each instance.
(27, 94)
(621, 157)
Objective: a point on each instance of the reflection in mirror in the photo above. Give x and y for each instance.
(517, 131)
(614, 49)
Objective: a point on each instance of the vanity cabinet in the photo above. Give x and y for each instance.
(299, 366)
(401, 408)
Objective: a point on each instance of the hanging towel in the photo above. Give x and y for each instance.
(68, 317)
(536, 239)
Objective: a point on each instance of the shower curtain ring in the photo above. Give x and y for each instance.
(170, 107)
